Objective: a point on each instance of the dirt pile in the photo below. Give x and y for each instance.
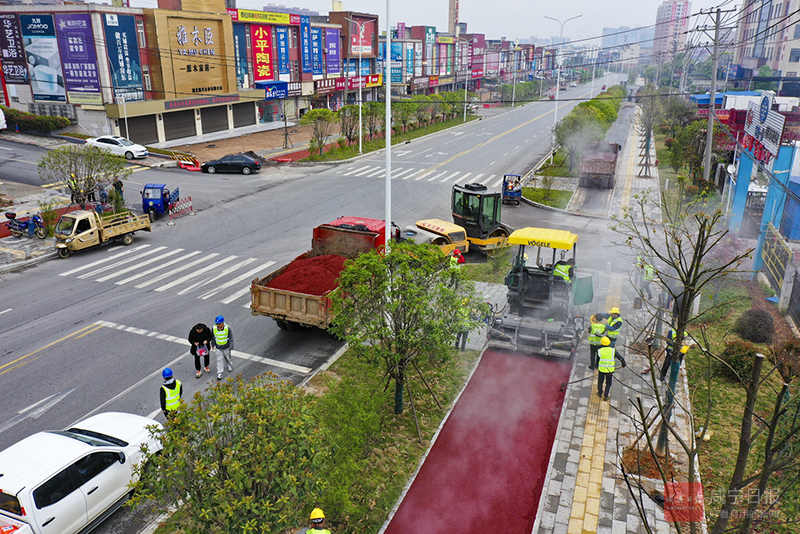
(310, 276)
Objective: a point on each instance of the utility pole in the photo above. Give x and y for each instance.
(712, 103)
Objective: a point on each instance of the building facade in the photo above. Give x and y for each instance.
(672, 23)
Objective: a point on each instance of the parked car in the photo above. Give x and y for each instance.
(68, 481)
(573, 84)
(239, 163)
(119, 146)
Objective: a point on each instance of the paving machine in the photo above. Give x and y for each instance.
(477, 210)
(542, 315)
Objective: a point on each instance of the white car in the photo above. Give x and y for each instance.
(573, 84)
(119, 146)
(68, 481)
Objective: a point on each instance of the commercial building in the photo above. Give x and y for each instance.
(672, 23)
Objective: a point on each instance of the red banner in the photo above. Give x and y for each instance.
(262, 53)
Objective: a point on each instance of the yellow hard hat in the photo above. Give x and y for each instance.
(317, 515)
(605, 341)
(594, 319)
(684, 349)
(614, 310)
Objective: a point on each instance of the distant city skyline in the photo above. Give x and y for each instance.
(511, 19)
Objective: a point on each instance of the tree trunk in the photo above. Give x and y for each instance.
(398, 395)
(745, 439)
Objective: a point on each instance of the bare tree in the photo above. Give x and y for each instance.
(650, 112)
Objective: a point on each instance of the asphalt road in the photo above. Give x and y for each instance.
(92, 332)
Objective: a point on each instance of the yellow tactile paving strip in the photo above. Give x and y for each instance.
(630, 168)
(584, 515)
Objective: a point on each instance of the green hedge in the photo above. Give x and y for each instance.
(29, 121)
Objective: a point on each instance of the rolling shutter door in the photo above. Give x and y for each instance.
(244, 114)
(214, 119)
(142, 129)
(179, 124)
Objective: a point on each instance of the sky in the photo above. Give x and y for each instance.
(501, 18)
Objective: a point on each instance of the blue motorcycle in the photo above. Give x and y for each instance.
(32, 227)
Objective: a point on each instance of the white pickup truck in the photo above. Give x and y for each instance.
(69, 481)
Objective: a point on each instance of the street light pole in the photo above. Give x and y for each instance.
(514, 74)
(558, 81)
(460, 59)
(358, 72)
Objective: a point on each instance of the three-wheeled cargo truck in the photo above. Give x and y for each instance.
(82, 229)
(542, 315)
(296, 295)
(158, 200)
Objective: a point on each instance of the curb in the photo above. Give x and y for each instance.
(8, 267)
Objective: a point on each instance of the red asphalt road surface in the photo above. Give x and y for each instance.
(486, 470)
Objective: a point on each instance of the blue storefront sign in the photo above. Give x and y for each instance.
(283, 49)
(305, 42)
(123, 55)
(274, 90)
(240, 48)
(316, 50)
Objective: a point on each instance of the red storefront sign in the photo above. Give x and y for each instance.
(262, 57)
(329, 85)
(434, 81)
(373, 80)
(758, 150)
(477, 73)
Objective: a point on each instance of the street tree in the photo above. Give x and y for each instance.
(395, 307)
(456, 100)
(348, 122)
(436, 106)
(678, 113)
(650, 113)
(422, 111)
(678, 245)
(765, 71)
(582, 126)
(243, 456)
(374, 116)
(404, 112)
(687, 149)
(322, 121)
(83, 168)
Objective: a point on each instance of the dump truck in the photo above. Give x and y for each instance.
(598, 165)
(443, 234)
(296, 295)
(542, 314)
(82, 229)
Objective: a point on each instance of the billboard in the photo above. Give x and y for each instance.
(362, 36)
(240, 49)
(196, 65)
(332, 51)
(76, 42)
(305, 42)
(123, 56)
(44, 63)
(282, 38)
(316, 50)
(12, 54)
(262, 52)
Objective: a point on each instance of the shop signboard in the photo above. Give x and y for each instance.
(12, 54)
(240, 49)
(44, 63)
(262, 52)
(305, 42)
(329, 85)
(274, 90)
(282, 39)
(434, 81)
(316, 50)
(123, 55)
(76, 43)
(764, 124)
(263, 17)
(409, 59)
(417, 59)
(401, 30)
(397, 74)
(332, 51)
(195, 63)
(361, 36)
(294, 89)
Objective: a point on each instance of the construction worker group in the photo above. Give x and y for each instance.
(603, 324)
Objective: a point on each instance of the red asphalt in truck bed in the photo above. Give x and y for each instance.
(485, 471)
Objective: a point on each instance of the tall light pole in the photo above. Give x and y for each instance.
(558, 79)
(387, 79)
(514, 72)
(360, 33)
(460, 59)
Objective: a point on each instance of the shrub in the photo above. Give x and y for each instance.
(668, 142)
(49, 214)
(737, 360)
(787, 359)
(342, 142)
(755, 325)
(29, 121)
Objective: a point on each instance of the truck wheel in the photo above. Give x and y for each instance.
(152, 214)
(41, 233)
(281, 324)
(63, 253)
(292, 326)
(127, 239)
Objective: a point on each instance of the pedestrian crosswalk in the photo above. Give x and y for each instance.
(176, 271)
(436, 175)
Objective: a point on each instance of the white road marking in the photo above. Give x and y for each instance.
(174, 271)
(236, 280)
(38, 410)
(492, 163)
(5, 311)
(98, 262)
(236, 295)
(369, 169)
(451, 176)
(189, 276)
(379, 171)
(225, 272)
(354, 171)
(121, 262)
(423, 175)
(498, 183)
(157, 268)
(401, 173)
(432, 178)
(138, 265)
